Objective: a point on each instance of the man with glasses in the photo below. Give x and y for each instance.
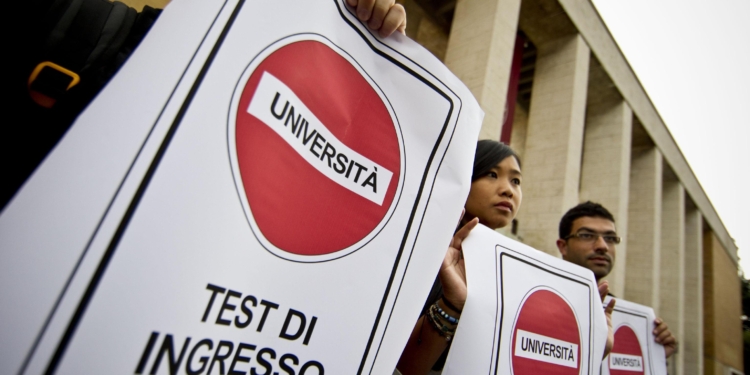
(588, 238)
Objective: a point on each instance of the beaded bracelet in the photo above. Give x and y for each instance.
(451, 319)
(441, 328)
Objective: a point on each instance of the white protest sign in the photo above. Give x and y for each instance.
(635, 351)
(526, 312)
(261, 189)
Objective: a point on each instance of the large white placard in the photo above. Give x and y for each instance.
(635, 351)
(186, 225)
(526, 312)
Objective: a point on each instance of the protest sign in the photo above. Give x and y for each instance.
(635, 351)
(526, 312)
(265, 187)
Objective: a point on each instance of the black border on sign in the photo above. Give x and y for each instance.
(648, 342)
(422, 183)
(102, 267)
(550, 269)
(91, 288)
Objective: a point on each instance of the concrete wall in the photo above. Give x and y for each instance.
(644, 228)
(480, 50)
(722, 308)
(605, 167)
(554, 139)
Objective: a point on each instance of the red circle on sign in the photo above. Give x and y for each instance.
(626, 342)
(545, 313)
(297, 208)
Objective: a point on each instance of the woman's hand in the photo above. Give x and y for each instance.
(425, 343)
(453, 271)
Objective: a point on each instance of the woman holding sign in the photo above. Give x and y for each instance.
(494, 200)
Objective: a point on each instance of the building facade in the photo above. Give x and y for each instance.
(555, 86)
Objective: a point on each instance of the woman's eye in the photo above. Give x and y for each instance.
(516, 181)
(492, 175)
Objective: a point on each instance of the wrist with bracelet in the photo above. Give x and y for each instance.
(443, 329)
(441, 320)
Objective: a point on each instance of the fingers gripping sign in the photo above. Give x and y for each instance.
(383, 16)
(663, 336)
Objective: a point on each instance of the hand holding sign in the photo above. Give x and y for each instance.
(663, 336)
(634, 351)
(603, 291)
(526, 312)
(453, 271)
(384, 16)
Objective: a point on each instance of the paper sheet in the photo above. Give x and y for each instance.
(526, 312)
(635, 351)
(180, 228)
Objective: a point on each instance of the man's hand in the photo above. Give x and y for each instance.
(603, 290)
(383, 16)
(453, 271)
(664, 337)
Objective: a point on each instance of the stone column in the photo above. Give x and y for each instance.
(722, 305)
(552, 158)
(692, 341)
(644, 229)
(480, 52)
(672, 276)
(605, 169)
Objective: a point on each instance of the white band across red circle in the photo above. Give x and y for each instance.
(316, 150)
(546, 335)
(277, 106)
(626, 357)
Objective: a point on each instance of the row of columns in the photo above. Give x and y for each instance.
(578, 145)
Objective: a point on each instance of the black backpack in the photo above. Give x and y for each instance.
(64, 53)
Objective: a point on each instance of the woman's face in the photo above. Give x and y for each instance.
(495, 197)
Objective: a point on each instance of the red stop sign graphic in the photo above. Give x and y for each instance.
(328, 107)
(626, 357)
(546, 337)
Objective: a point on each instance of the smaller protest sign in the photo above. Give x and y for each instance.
(527, 312)
(635, 351)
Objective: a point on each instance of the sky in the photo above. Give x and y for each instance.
(693, 59)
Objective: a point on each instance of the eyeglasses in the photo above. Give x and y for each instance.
(610, 239)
